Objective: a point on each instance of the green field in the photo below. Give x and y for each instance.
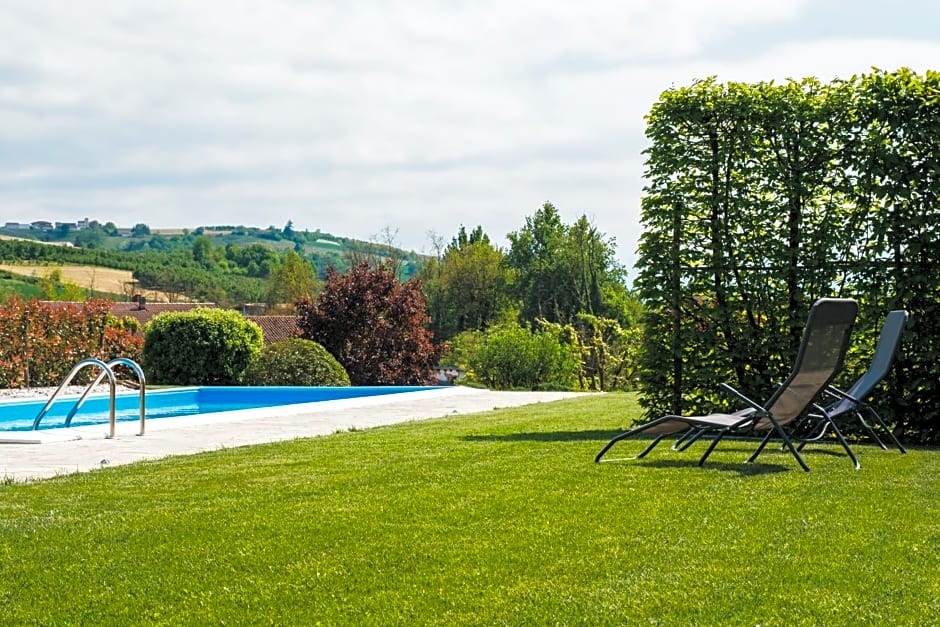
(493, 519)
(16, 287)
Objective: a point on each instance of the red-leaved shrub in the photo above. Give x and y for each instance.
(374, 325)
(40, 342)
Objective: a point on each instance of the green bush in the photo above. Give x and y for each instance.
(295, 362)
(199, 347)
(509, 357)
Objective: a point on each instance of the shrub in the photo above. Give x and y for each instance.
(295, 362)
(375, 326)
(199, 347)
(512, 357)
(41, 342)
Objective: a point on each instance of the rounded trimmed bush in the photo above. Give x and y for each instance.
(295, 362)
(199, 347)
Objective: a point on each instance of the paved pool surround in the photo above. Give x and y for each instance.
(53, 452)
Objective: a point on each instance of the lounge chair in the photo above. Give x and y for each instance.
(852, 400)
(820, 356)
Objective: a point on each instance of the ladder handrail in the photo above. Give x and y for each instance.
(90, 361)
(133, 365)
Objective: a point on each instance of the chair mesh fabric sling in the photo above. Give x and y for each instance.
(819, 358)
(853, 399)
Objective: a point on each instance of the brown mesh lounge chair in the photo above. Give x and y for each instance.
(820, 356)
(853, 399)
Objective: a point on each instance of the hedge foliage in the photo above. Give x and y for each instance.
(41, 342)
(763, 197)
(295, 361)
(202, 346)
(512, 357)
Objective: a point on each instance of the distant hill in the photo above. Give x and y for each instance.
(223, 264)
(324, 249)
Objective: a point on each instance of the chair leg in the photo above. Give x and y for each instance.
(761, 446)
(788, 443)
(688, 438)
(844, 444)
(881, 423)
(624, 435)
(870, 430)
(651, 446)
(613, 441)
(711, 447)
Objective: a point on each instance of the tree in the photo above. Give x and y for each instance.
(89, 238)
(205, 252)
(54, 287)
(467, 286)
(561, 270)
(375, 326)
(62, 231)
(140, 230)
(293, 279)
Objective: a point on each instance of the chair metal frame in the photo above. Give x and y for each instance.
(820, 357)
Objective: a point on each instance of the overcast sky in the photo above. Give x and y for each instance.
(372, 116)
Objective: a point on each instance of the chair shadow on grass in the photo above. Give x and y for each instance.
(602, 435)
(741, 468)
(735, 447)
(545, 436)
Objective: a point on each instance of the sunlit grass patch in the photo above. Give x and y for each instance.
(497, 518)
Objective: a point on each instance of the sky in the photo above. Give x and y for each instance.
(387, 120)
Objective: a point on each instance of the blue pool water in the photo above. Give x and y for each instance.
(19, 415)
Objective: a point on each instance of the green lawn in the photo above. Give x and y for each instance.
(493, 519)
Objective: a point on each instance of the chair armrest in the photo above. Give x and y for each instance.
(822, 413)
(734, 392)
(834, 391)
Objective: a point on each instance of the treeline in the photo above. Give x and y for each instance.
(552, 311)
(180, 273)
(322, 250)
(762, 198)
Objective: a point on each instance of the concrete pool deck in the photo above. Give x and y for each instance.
(63, 451)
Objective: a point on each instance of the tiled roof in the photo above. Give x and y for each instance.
(276, 328)
(273, 328)
(144, 313)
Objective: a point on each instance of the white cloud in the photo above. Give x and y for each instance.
(350, 117)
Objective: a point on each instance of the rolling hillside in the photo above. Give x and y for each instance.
(226, 265)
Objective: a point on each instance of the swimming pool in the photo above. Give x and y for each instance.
(19, 415)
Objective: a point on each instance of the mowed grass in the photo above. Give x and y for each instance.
(499, 518)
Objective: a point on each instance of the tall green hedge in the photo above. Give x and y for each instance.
(761, 198)
(202, 346)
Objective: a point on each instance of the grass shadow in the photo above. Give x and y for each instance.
(741, 468)
(545, 436)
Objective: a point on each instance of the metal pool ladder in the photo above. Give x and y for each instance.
(107, 370)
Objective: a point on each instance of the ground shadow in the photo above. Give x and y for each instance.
(740, 468)
(545, 436)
